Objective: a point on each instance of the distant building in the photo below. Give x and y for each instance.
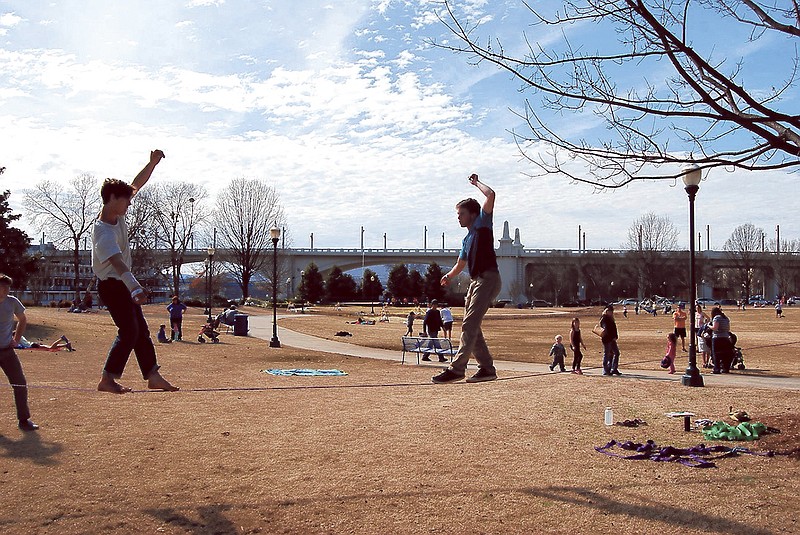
(54, 282)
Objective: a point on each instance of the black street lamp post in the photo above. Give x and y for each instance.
(275, 235)
(372, 292)
(691, 178)
(209, 281)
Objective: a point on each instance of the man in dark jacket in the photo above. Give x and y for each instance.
(431, 325)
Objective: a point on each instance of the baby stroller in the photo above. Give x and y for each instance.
(737, 362)
(208, 331)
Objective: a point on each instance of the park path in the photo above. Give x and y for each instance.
(261, 327)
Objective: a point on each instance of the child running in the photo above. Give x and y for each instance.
(575, 344)
(672, 347)
(410, 324)
(558, 353)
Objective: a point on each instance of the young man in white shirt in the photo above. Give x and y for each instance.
(119, 289)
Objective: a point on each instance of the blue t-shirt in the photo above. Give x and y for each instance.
(477, 248)
(176, 310)
(483, 220)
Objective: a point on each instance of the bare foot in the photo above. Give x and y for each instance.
(108, 384)
(156, 382)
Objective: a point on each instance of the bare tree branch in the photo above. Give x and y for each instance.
(704, 105)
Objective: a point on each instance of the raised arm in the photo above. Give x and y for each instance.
(144, 175)
(488, 204)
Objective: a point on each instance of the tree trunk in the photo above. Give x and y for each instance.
(246, 275)
(76, 260)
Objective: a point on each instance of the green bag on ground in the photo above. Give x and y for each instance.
(720, 430)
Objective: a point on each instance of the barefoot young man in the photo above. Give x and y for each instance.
(119, 289)
(477, 255)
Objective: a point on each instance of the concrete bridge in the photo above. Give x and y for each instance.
(518, 265)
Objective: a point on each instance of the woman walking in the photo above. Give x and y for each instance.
(721, 346)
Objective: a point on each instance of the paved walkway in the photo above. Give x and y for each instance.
(261, 327)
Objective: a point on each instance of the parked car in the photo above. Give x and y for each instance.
(539, 303)
(501, 303)
(728, 302)
(708, 302)
(792, 300)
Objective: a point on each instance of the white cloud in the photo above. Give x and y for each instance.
(9, 20)
(363, 125)
(204, 3)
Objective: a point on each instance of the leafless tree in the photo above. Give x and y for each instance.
(245, 211)
(786, 265)
(65, 214)
(652, 232)
(179, 210)
(703, 105)
(743, 248)
(143, 229)
(648, 238)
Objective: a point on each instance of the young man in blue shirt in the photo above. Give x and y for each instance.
(477, 255)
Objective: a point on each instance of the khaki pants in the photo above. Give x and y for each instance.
(482, 291)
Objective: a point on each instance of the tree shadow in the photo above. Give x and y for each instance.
(660, 512)
(212, 519)
(30, 447)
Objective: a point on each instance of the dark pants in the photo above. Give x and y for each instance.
(132, 332)
(176, 325)
(721, 354)
(577, 357)
(11, 366)
(434, 344)
(558, 360)
(610, 356)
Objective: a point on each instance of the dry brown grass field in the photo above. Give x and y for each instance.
(770, 346)
(239, 451)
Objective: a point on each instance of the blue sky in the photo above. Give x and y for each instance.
(342, 105)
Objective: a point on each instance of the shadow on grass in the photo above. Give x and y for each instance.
(212, 519)
(30, 447)
(661, 512)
